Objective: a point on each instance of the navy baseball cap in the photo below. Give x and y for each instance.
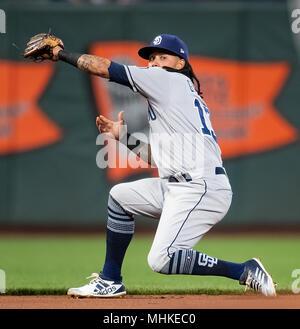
(167, 42)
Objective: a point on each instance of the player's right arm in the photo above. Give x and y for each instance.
(114, 128)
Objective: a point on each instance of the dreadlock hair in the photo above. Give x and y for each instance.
(188, 71)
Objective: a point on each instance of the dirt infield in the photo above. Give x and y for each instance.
(153, 302)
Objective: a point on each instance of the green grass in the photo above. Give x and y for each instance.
(48, 265)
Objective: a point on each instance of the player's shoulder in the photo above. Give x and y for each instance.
(159, 76)
(149, 70)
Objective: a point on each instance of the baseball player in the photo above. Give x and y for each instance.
(192, 192)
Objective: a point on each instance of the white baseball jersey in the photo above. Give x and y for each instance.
(181, 135)
(182, 141)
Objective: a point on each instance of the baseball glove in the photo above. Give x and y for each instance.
(40, 46)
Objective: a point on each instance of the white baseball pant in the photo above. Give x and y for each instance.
(186, 210)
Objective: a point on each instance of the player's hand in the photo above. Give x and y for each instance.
(40, 47)
(55, 51)
(107, 126)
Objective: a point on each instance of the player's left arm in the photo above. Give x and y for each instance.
(45, 46)
(96, 65)
(88, 63)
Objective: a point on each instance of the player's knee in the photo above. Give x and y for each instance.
(159, 261)
(117, 192)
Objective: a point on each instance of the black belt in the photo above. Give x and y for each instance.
(187, 177)
(220, 171)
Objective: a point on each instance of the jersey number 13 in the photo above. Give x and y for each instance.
(202, 112)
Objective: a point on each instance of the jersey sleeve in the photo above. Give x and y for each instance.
(151, 82)
(118, 74)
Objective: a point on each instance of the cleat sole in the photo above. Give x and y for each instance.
(77, 296)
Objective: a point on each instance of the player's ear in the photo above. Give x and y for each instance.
(180, 64)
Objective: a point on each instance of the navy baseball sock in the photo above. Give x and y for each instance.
(120, 229)
(188, 261)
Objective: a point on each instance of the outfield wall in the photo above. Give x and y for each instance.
(246, 58)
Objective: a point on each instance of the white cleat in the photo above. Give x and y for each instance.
(256, 277)
(98, 288)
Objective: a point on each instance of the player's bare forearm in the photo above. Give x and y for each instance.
(94, 65)
(118, 130)
(144, 153)
(88, 63)
(140, 148)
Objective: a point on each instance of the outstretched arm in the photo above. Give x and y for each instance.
(140, 148)
(87, 63)
(94, 65)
